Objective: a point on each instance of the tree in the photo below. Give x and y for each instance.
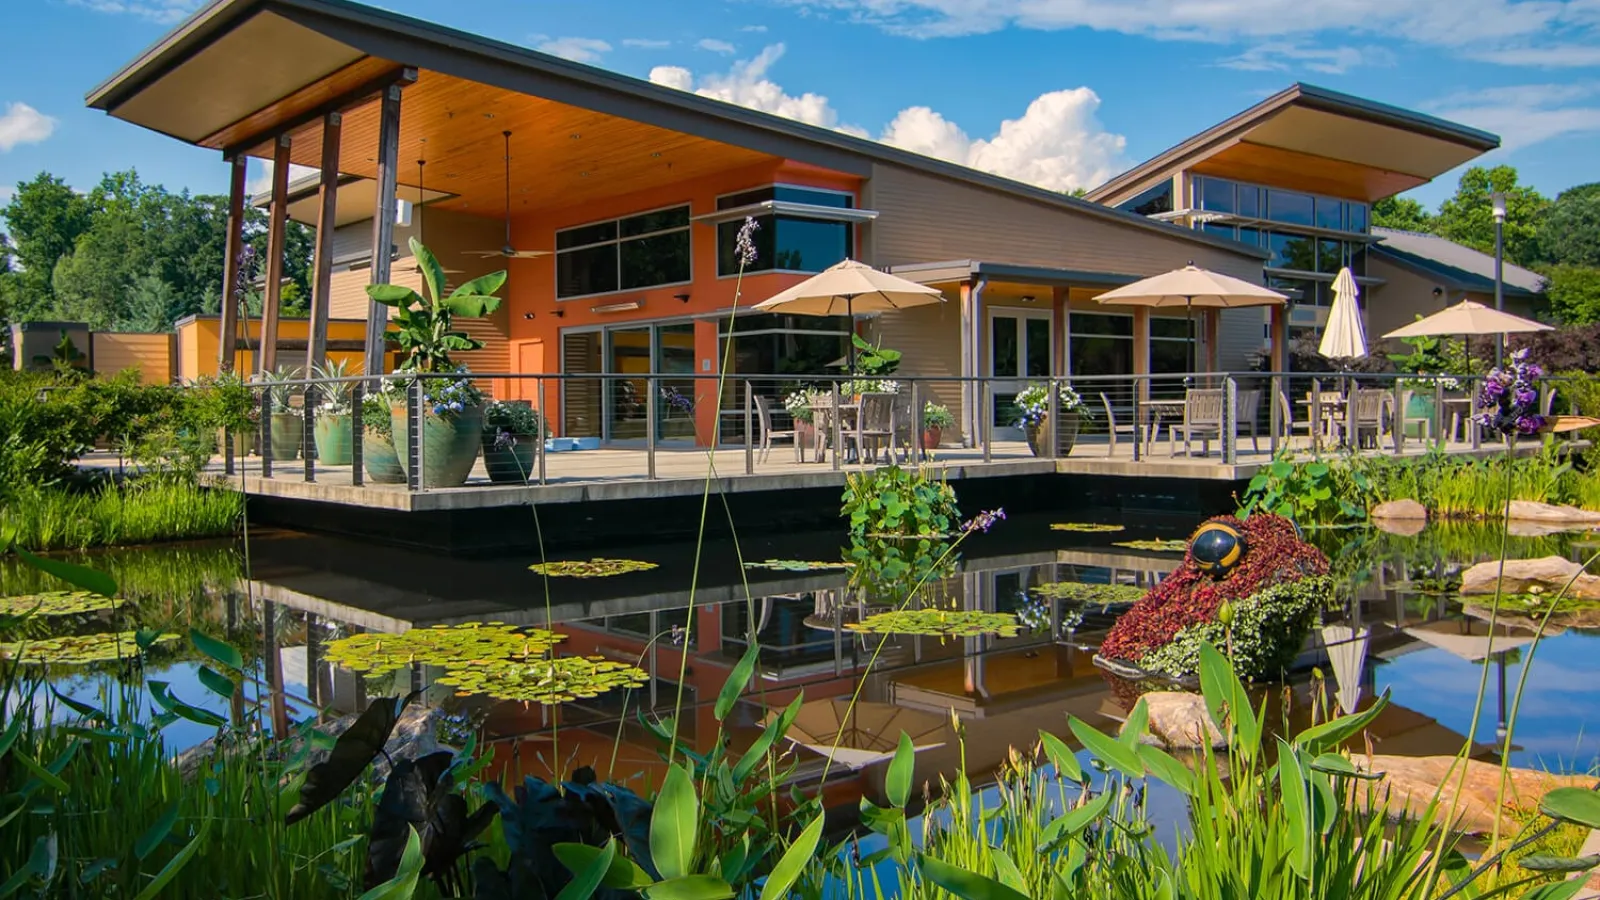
(151, 306)
(45, 218)
(1574, 293)
(1570, 232)
(1402, 213)
(1468, 217)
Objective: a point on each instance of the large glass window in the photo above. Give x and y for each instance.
(1292, 251)
(1216, 195)
(1357, 255)
(1289, 207)
(786, 243)
(1330, 256)
(1357, 220)
(1153, 201)
(1249, 201)
(767, 344)
(1330, 214)
(647, 250)
(1171, 351)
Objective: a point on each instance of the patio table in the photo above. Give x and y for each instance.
(1158, 410)
(823, 425)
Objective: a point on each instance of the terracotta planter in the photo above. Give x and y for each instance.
(513, 464)
(379, 459)
(931, 436)
(805, 433)
(332, 434)
(287, 431)
(1066, 435)
(449, 445)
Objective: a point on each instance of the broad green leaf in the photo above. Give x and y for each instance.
(586, 880)
(181, 859)
(674, 824)
(45, 776)
(737, 681)
(216, 682)
(77, 706)
(775, 729)
(1010, 876)
(1559, 863)
(41, 864)
(9, 736)
(964, 884)
(404, 883)
(1561, 890)
(1107, 749)
(897, 782)
(1296, 799)
(1577, 805)
(94, 869)
(690, 887)
(794, 861)
(78, 576)
(624, 873)
(432, 272)
(1329, 735)
(482, 286)
(1065, 761)
(1341, 767)
(1165, 767)
(1075, 820)
(161, 693)
(1138, 723)
(156, 833)
(1228, 702)
(221, 651)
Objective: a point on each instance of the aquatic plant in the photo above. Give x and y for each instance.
(57, 603)
(594, 568)
(560, 679)
(940, 622)
(1156, 545)
(1087, 527)
(1089, 594)
(796, 565)
(377, 653)
(899, 502)
(145, 511)
(1263, 631)
(82, 649)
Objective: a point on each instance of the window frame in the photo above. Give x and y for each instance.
(851, 242)
(687, 227)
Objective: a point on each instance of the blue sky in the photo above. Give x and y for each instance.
(1057, 92)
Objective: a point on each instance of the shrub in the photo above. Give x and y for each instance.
(899, 502)
(1264, 634)
(146, 511)
(512, 417)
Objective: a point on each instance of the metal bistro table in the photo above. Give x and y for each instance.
(1157, 410)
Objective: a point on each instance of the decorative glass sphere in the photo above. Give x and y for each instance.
(1217, 547)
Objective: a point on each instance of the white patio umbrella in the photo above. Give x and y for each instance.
(1192, 287)
(847, 288)
(1347, 654)
(1344, 337)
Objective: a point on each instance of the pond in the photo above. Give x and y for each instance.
(285, 597)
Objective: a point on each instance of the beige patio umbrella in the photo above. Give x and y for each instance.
(1344, 337)
(847, 288)
(1467, 318)
(1192, 287)
(866, 734)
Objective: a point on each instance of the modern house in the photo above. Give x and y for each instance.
(1296, 175)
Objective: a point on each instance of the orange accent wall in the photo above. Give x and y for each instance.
(198, 340)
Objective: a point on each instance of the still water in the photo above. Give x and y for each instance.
(283, 597)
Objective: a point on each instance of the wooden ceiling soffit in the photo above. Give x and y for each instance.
(502, 65)
(348, 87)
(1261, 164)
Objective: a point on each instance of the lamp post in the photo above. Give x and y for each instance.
(1498, 198)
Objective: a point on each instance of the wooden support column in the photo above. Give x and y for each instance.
(277, 226)
(383, 224)
(227, 349)
(1058, 331)
(1278, 329)
(1141, 349)
(1213, 322)
(322, 261)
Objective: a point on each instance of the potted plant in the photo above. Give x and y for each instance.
(1427, 357)
(1033, 416)
(226, 403)
(873, 361)
(422, 327)
(511, 432)
(331, 425)
(798, 404)
(935, 419)
(378, 457)
(287, 427)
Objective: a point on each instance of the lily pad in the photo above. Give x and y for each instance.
(1086, 527)
(57, 603)
(442, 645)
(595, 568)
(1090, 594)
(797, 565)
(546, 681)
(1159, 546)
(939, 622)
(78, 650)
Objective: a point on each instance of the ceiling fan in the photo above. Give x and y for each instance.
(422, 223)
(507, 250)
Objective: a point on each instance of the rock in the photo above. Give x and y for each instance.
(1402, 527)
(1180, 721)
(1549, 573)
(1413, 781)
(1532, 511)
(415, 734)
(1400, 509)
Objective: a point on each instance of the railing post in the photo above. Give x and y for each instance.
(1397, 421)
(1275, 416)
(1053, 414)
(414, 431)
(1140, 429)
(265, 437)
(749, 431)
(308, 437)
(1230, 420)
(651, 413)
(835, 427)
(1438, 412)
(227, 451)
(544, 424)
(1315, 428)
(918, 452)
(358, 430)
(1470, 424)
(986, 426)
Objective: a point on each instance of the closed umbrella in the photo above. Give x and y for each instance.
(1344, 337)
(1347, 654)
(1192, 287)
(847, 288)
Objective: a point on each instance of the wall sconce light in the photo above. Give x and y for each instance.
(527, 315)
(682, 298)
(1028, 298)
(1438, 292)
(622, 306)
(558, 313)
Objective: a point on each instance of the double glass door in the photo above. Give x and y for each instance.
(617, 409)
(1020, 350)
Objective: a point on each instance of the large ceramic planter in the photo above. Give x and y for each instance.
(449, 445)
(332, 434)
(513, 464)
(287, 431)
(931, 436)
(379, 459)
(1420, 406)
(1066, 435)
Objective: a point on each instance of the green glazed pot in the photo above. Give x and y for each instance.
(449, 448)
(510, 465)
(288, 429)
(379, 459)
(333, 439)
(1066, 435)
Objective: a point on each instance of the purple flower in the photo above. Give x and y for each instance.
(1524, 396)
(745, 244)
(1492, 389)
(1529, 425)
(676, 400)
(984, 521)
(504, 439)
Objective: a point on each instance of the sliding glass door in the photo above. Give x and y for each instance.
(1020, 350)
(616, 409)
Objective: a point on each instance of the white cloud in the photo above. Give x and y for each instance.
(1524, 115)
(716, 46)
(645, 43)
(577, 49)
(754, 29)
(162, 12)
(262, 180)
(22, 124)
(1056, 143)
(1552, 56)
(1284, 56)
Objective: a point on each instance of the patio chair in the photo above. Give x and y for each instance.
(1363, 419)
(822, 423)
(1288, 426)
(1245, 416)
(1113, 429)
(905, 425)
(1202, 419)
(874, 425)
(764, 415)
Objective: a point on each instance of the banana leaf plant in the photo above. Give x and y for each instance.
(424, 325)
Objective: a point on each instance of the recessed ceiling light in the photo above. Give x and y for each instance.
(656, 155)
(488, 115)
(574, 135)
(583, 174)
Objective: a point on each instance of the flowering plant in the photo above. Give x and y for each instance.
(869, 386)
(1033, 404)
(676, 400)
(505, 421)
(935, 415)
(1508, 403)
(798, 404)
(449, 396)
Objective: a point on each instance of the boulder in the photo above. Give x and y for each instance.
(1533, 511)
(1549, 574)
(1400, 509)
(1414, 780)
(1401, 527)
(416, 734)
(1179, 721)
